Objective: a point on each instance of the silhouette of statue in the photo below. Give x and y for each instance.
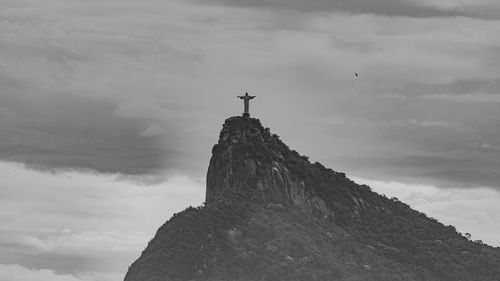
(246, 98)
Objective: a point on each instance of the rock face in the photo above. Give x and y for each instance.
(270, 214)
(248, 157)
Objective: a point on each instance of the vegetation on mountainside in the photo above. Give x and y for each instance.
(397, 231)
(241, 236)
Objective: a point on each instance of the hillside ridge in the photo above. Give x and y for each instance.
(271, 214)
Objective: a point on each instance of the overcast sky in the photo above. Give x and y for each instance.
(109, 110)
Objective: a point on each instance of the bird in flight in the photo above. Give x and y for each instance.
(356, 74)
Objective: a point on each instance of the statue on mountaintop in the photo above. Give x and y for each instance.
(246, 98)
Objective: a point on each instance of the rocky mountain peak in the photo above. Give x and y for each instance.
(245, 149)
(272, 215)
(250, 160)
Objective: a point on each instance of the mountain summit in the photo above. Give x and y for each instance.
(272, 215)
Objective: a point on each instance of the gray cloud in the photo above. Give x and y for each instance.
(71, 80)
(455, 87)
(433, 141)
(18, 273)
(445, 170)
(50, 248)
(49, 221)
(71, 132)
(444, 134)
(403, 8)
(150, 93)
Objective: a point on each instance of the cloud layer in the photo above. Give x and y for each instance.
(73, 132)
(13, 272)
(142, 88)
(400, 8)
(81, 226)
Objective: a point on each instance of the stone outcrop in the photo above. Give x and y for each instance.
(272, 215)
(249, 157)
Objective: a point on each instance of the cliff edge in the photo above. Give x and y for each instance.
(272, 215)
